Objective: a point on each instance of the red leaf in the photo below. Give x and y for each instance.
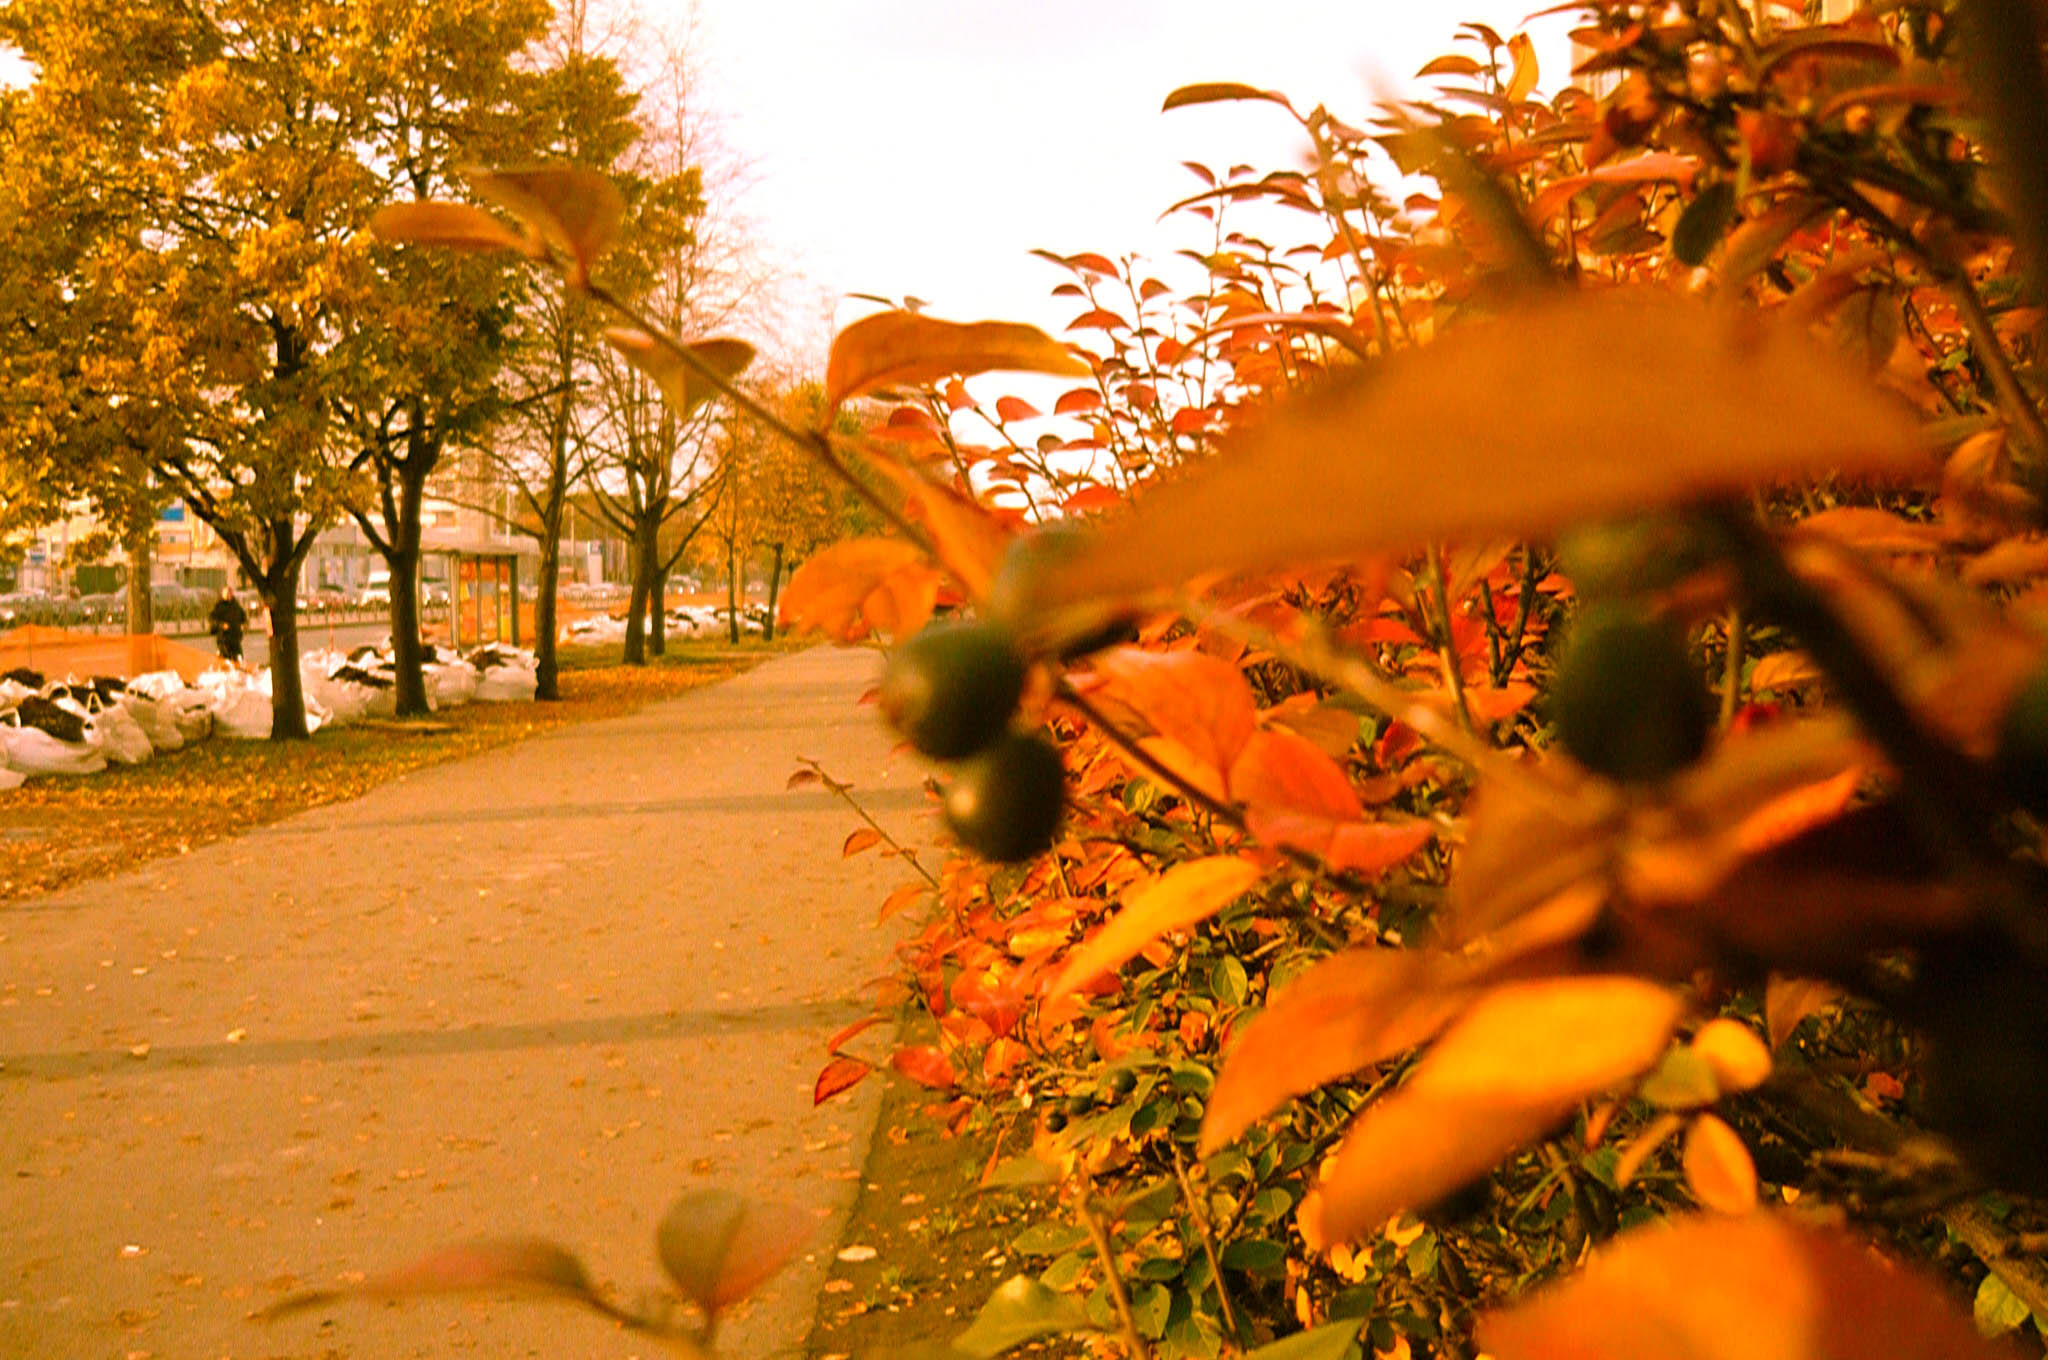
(1077, 401)
(926, 1066)
(861, 839)
(1280, 771)
(1194, 699)
(1092, 498)
(901, 900)
(841, 1074)
(1101, 319)
(1015, 408)
(847, 1035)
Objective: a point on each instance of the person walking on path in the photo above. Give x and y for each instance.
(226, 622)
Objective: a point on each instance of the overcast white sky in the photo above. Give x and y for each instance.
(925, 146)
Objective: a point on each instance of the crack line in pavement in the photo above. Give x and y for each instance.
(613, 1029)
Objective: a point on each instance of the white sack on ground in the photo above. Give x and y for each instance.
(31, 750)
(121, 737)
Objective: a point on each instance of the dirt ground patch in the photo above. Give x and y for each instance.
(56, 831)
(940, 1243)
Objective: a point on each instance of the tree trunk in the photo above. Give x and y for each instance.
(280, 590)
(657, 602)
(547, 676)
(407, 656)
(636, 609)
(403, 561)
(732, 591)
(774, 590)
(141, 600)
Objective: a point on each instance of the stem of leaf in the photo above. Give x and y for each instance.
(1119, 1294)
(1453, 673)
(844, 792)
(1731, 672)
(1198, 1211)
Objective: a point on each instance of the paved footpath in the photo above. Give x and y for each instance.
(537, 991)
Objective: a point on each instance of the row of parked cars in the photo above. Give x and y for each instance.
(71, 610)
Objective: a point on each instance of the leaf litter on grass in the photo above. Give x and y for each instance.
(59, 831)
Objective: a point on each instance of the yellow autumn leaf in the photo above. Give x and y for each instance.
(1788, 1000)
(1181, 897)
(457, 225)
(1569, 409)
(1718, 1167)
(829, 592)
(1740, 1060)
(1347, 1012)
(896, 348)
(1414, 1147)
(684, 385)
(1556, 1039)
(571, 206)
(1757, 1287)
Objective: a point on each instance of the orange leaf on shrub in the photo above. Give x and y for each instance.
(1740, 1060)
(1414, 1147)
(1194, 699)
(457, 225)
(1788, 1000)
(719, 1247)
(1294, 795)
(904, 348)
(571, 206)
(829, 591)
(1349, 1011)
(1751, 1288)
(1718, 1167)
(1181, 897)
(1285, 772)
(926, 1066)
(1567, 410)
(1560, 1038)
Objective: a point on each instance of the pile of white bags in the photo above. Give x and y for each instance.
(76, 727)
(505, 674)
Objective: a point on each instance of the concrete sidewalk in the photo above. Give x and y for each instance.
(538, 991)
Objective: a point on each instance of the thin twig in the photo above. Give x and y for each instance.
(1119, 1294)
(845, 793)
(1731, 672)
(1199, 1212)
(1453, 676)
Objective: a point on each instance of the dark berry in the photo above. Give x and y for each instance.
(952, 688)
(1627, 700)
(1007, 802)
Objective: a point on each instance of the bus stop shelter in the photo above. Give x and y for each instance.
(483, 595)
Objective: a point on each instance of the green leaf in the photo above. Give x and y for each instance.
(1997, 1309)
(1150, 1305)
(1047, 1239)
(1025, 1169)
(1066, 1272)
(1331, 1341)
(1703, 223)
(1254, 1254)
(1683, 1081)
(1020, 1310)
